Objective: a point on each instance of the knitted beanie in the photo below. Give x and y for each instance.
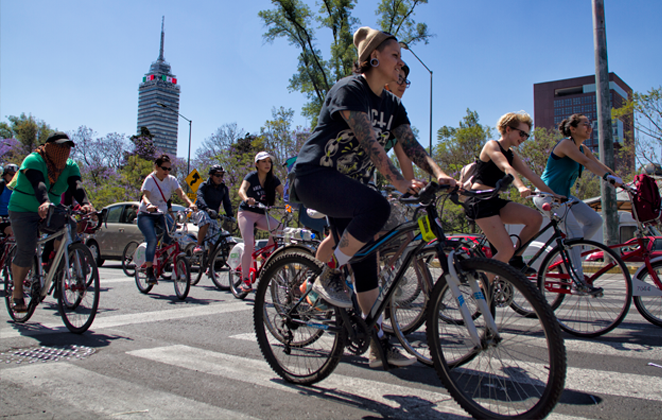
(367, 39)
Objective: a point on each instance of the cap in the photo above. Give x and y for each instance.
(263, 155)
(367, 39)
(59, 137)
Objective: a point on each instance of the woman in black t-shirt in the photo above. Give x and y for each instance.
(259, 186)
(357, 118)
(495, 161)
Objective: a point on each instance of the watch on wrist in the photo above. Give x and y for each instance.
(605, 175)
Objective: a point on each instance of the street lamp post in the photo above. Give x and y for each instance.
(188, 162)
(406, 47)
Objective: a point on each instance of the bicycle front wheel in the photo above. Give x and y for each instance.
(181, 277)
(518, 373)
(128, 266)
(28, 292)
(650, 307)
(586, 311)
(78, 289)
(301, 343)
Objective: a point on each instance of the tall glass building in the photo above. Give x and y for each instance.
(160, 86)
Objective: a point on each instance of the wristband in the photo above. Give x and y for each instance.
(605, 175)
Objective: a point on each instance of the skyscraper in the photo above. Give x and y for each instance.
(160, 86)
(553, 101)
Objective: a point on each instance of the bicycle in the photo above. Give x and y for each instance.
(166, 256)
(260, 258)
(304, 342)
(647, 280)
(213, 259)
(72, 277)
(590, 298)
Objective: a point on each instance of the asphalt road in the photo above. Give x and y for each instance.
(155, 357)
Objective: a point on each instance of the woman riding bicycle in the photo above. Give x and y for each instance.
(156, 191)
(44, 175)
(495, 161)
(397, 87)
(356, 120)
(259, 186)
(564, 165)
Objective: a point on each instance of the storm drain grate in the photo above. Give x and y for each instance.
(45, 354)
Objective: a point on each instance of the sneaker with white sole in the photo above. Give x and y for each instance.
(330, 286)
(393, 355)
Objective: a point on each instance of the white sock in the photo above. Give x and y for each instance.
(380, 331)
(341, 257)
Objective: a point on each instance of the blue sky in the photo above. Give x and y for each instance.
(74, 62)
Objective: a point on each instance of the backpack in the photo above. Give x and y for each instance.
(647, 202)
(467, 175)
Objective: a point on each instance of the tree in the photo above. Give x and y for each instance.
(294, 21)
(647, 110)
(217, 145)
(30, 131)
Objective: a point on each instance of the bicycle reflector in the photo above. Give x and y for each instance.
(546, 207)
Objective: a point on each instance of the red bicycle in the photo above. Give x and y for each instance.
(647, 280)
(167, 257)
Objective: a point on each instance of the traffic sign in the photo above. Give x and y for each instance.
(193, 180)
(192, 196)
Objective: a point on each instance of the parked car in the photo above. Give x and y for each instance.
(654, 247)
(120, 228)
(475, 238)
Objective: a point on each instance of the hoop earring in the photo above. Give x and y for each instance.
(374, 62)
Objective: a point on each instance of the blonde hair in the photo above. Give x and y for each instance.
(512, 120)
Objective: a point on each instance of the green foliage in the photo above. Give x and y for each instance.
(647, 111)
(294, 21)
(30, 131)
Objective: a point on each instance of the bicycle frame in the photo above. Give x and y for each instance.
(170, 256)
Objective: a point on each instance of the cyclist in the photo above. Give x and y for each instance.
(210, 195)
(156, 191)
(397, 87)
(8, 173)
(495, 161)
(355, 122)
(259, 186)
(44, 175)
(564, 165)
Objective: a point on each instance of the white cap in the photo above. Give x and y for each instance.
(262, 156)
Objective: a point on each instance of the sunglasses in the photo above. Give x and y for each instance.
(219, 174)
(522, 133)
(588, 124)
(166, 168)
(403, 81)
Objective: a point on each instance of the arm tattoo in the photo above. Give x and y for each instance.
(365, 134)
(413, 148)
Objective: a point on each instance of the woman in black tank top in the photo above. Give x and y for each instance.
(496, 160)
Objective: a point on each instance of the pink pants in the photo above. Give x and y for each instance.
(247, 221)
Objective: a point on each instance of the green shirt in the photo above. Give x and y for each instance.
(24, 200)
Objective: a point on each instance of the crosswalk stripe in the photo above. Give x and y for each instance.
(101, 322)
(259, 373)
(67, 382)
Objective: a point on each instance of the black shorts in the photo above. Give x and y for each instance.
(480, 209)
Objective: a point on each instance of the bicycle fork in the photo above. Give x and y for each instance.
(453, 281)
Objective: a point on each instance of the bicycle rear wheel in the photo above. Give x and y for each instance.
(28, 292)
(182, 279)
(301, 344)
(141, 280)
(128, 265)
(408, 307)
(236, 281)
(78, 289)
(219, 270)
(579, 312)
(197, 262)
(520, 373)
(650, 307)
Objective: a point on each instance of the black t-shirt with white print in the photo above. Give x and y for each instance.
(333, 144)
(256, 191)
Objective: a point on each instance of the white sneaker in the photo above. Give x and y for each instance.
(330, 286)
(393, 355)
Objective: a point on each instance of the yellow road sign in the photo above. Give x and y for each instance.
(194, 180)
(192, 196)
